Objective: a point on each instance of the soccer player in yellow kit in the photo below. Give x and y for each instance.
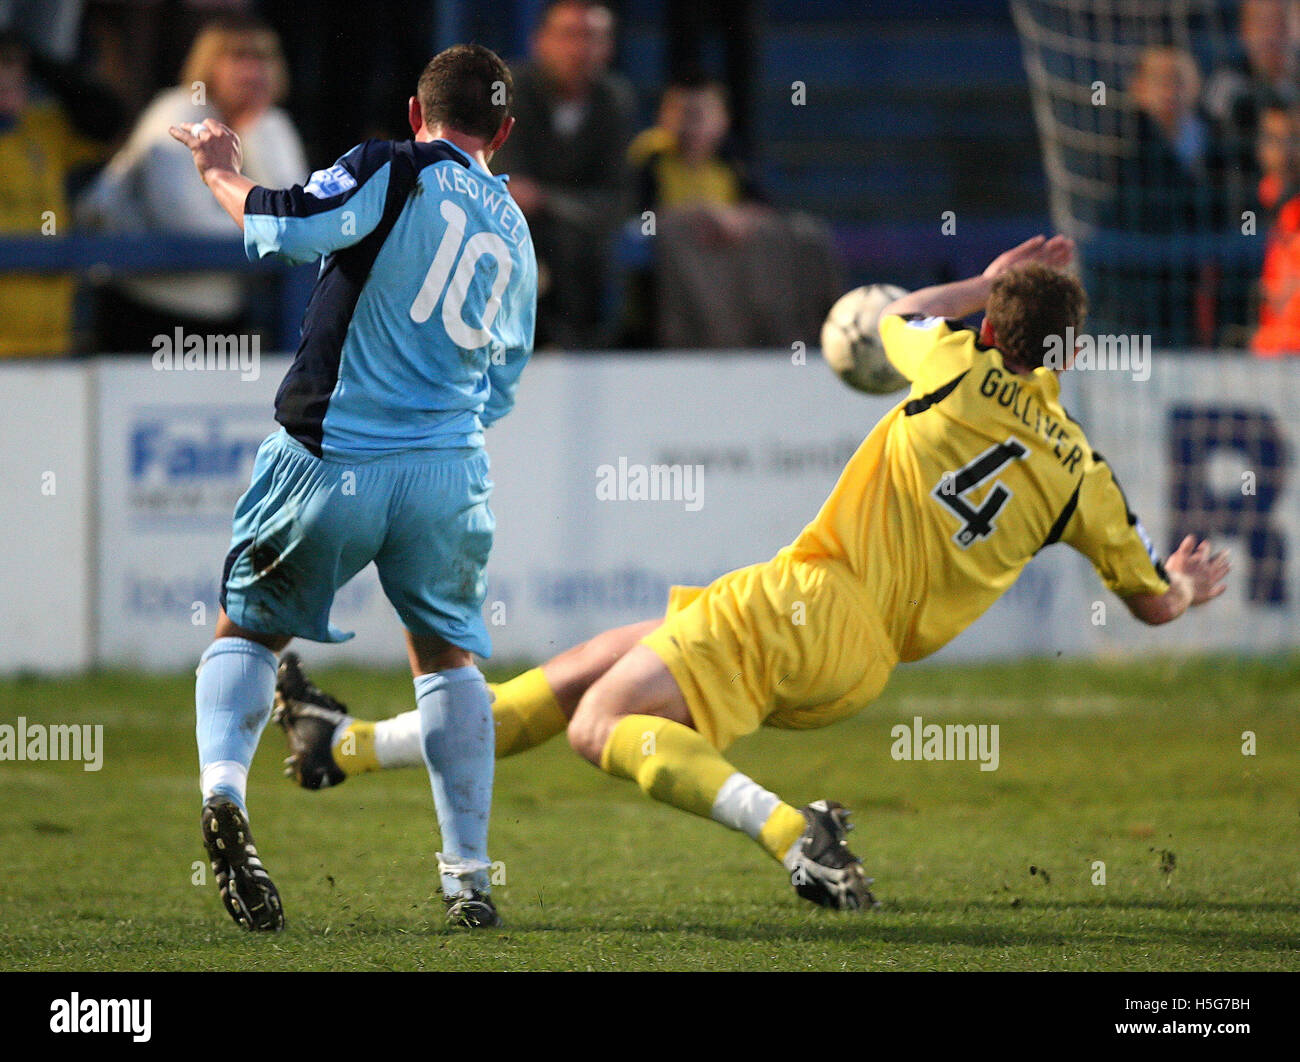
(950, 496)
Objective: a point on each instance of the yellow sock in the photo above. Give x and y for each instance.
(526, 713)
(676, 765)
(524, 709)
(783, 827)
(354, 749)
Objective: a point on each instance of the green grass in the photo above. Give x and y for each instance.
(1138, 766)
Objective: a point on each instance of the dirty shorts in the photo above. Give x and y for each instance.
(306, 525)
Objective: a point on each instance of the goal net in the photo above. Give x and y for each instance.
(1147, 115)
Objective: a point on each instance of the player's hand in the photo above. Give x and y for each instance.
(1204, 571)
(215, 147)
(1056, 253)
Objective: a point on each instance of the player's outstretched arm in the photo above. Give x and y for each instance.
(218, 157)
(965, 297)
(1195, 576)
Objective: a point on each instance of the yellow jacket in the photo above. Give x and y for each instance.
(36, 155)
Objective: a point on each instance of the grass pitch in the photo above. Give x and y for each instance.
(1139, 767)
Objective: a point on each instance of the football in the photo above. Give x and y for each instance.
(851, 340)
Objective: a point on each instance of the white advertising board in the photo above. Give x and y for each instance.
(46, 506)
(140, 525)
(175, 452)
(1207, 445)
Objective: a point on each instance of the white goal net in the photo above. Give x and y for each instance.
(1147, 111)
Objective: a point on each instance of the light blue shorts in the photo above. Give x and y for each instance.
(306, 525)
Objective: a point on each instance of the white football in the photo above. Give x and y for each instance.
(851, 340)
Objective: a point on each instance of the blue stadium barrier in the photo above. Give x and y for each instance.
(1126, 249)
(907, 253)
(100, 257)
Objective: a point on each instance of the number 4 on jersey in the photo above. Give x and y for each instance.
(978, 523)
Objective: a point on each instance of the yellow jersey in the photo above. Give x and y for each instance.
(962, 483)
(667, 180)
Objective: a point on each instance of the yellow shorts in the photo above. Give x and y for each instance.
(793, 643)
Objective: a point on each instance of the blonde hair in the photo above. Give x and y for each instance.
(225, 34)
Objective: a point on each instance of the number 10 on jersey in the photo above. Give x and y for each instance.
(453, 306)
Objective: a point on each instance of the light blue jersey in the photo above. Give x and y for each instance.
(417, 330)
(418, 327)
(422, 316)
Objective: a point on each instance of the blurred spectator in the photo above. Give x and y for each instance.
(1236, 91)
(686, 160)
(683, 163)
(1279, 193)
(51, 31)
(728, 271)
(1236, 94)
(567, 165)
(235, 74)
(1169, 183)
(39, 151)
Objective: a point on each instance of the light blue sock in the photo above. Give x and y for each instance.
(232, 696)
(459, 745)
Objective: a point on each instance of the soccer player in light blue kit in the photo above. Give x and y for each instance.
(419, 325)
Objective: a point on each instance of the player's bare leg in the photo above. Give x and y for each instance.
(327, 745)
(232, 694)
(572, 672)
(634, 723)
(640, 684)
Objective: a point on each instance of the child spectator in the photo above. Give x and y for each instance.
(728, 271)
(684, 161)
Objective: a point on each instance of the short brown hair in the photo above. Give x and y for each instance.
(467, 88)
(1029, 305)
